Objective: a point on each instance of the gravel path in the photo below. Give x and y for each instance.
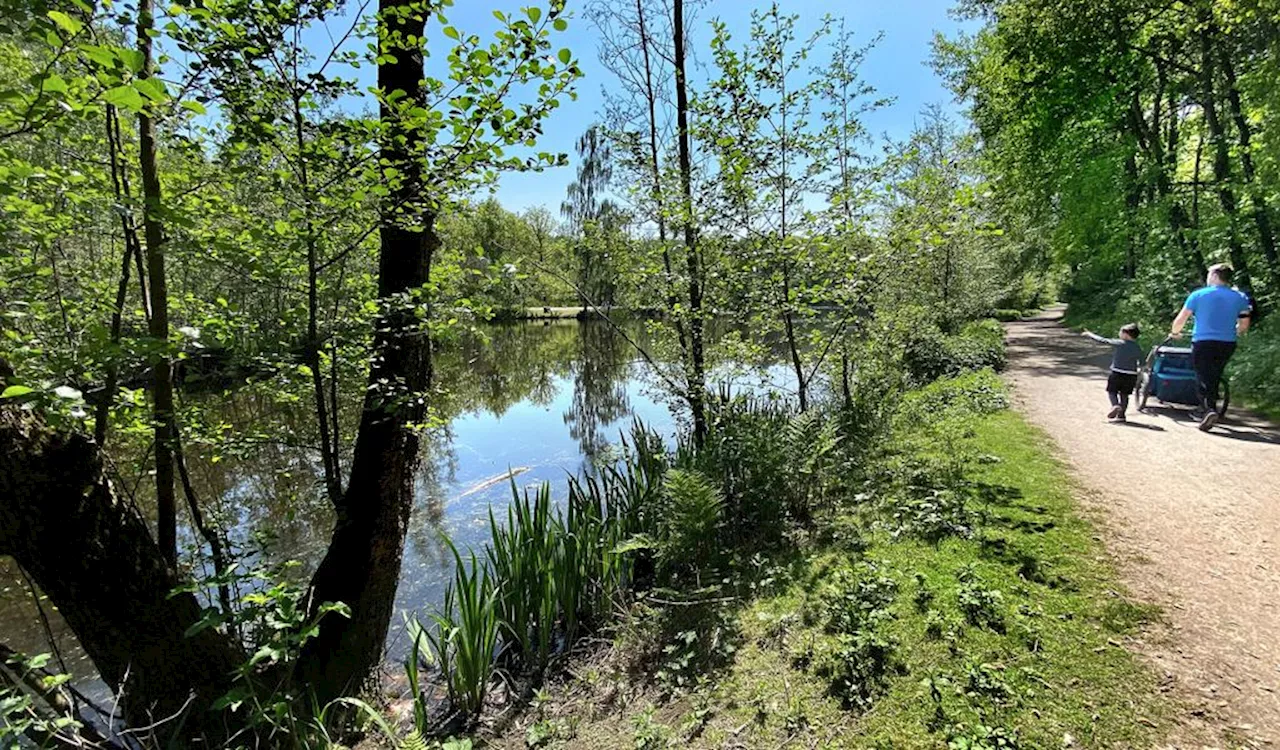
(1192, 518)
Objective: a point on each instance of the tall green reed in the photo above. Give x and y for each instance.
(547, 575)
(464, 639)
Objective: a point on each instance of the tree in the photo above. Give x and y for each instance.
(438, 140)
(590, 217)
(161, 365)
(695, 275)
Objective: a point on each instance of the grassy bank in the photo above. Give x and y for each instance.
(961, 600)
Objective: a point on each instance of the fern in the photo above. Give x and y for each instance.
(414, 741)
(692, 517)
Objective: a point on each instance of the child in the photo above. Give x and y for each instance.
(1125, 363)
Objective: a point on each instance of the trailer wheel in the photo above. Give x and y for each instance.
(1144, 390)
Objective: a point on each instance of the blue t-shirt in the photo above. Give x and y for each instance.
(1217, 308)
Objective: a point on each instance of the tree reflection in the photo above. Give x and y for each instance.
(600, 375)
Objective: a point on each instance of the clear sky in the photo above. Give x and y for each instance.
(897, 67)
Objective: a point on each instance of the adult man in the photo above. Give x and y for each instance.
(1222, 314)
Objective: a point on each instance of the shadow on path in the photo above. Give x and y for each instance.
(1193, 518)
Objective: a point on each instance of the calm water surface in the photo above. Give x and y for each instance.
(545, 399)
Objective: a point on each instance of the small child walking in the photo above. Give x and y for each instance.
(1126, 360)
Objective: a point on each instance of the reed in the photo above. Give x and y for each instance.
(465, 637)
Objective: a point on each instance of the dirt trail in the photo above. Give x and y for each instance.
(1193, 518)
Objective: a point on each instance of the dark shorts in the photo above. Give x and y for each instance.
(1122, 382)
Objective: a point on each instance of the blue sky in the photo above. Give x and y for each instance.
(897, 67)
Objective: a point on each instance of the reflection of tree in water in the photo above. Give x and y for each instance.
(505, 365)
(600, 374)
(438, 471)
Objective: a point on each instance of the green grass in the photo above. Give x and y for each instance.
(1042, 659)
(1061, 655)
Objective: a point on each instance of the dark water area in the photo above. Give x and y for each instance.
(542, 401)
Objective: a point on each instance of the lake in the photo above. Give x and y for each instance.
(543, 399)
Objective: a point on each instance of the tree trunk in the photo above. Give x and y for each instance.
(1261, 213)
(788, 323)
(655, 167)
(1132, 201)
(114, 590)
(362, 565)
(1221, 157)
(119, 183)
(328, 441)
(161, 366)
(697, 385)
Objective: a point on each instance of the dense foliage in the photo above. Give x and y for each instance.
(1131, 145)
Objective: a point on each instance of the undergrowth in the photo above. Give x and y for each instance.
(955, 598)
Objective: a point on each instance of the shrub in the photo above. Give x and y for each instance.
(1255, 370)
(957, 398)
(773, 464)
(928, 354)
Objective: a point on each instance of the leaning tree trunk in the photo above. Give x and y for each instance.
(362, 565)
(94, 557)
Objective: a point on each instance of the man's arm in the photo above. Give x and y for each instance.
(1176, 329)
(1242, 324)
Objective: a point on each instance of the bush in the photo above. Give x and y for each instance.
(773, 464)
(957, 398)
(1255, 370)
(929, 354)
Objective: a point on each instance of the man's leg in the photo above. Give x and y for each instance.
(1209, 358)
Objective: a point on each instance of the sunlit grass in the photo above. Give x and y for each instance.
(1015, 634)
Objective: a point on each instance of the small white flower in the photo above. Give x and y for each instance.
(67, 392)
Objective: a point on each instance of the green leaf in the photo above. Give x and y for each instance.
(55, 83)
(194, 106)
(126, 97)
(535, 14)
(565, 55)
(65, 22)
(560, 24)
(451, 32)
(152, 88)
(132, 59)
(14, 391)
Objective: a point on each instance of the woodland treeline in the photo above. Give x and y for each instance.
(1133, 144)
(292, 199)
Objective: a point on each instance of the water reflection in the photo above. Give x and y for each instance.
(541, 398)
